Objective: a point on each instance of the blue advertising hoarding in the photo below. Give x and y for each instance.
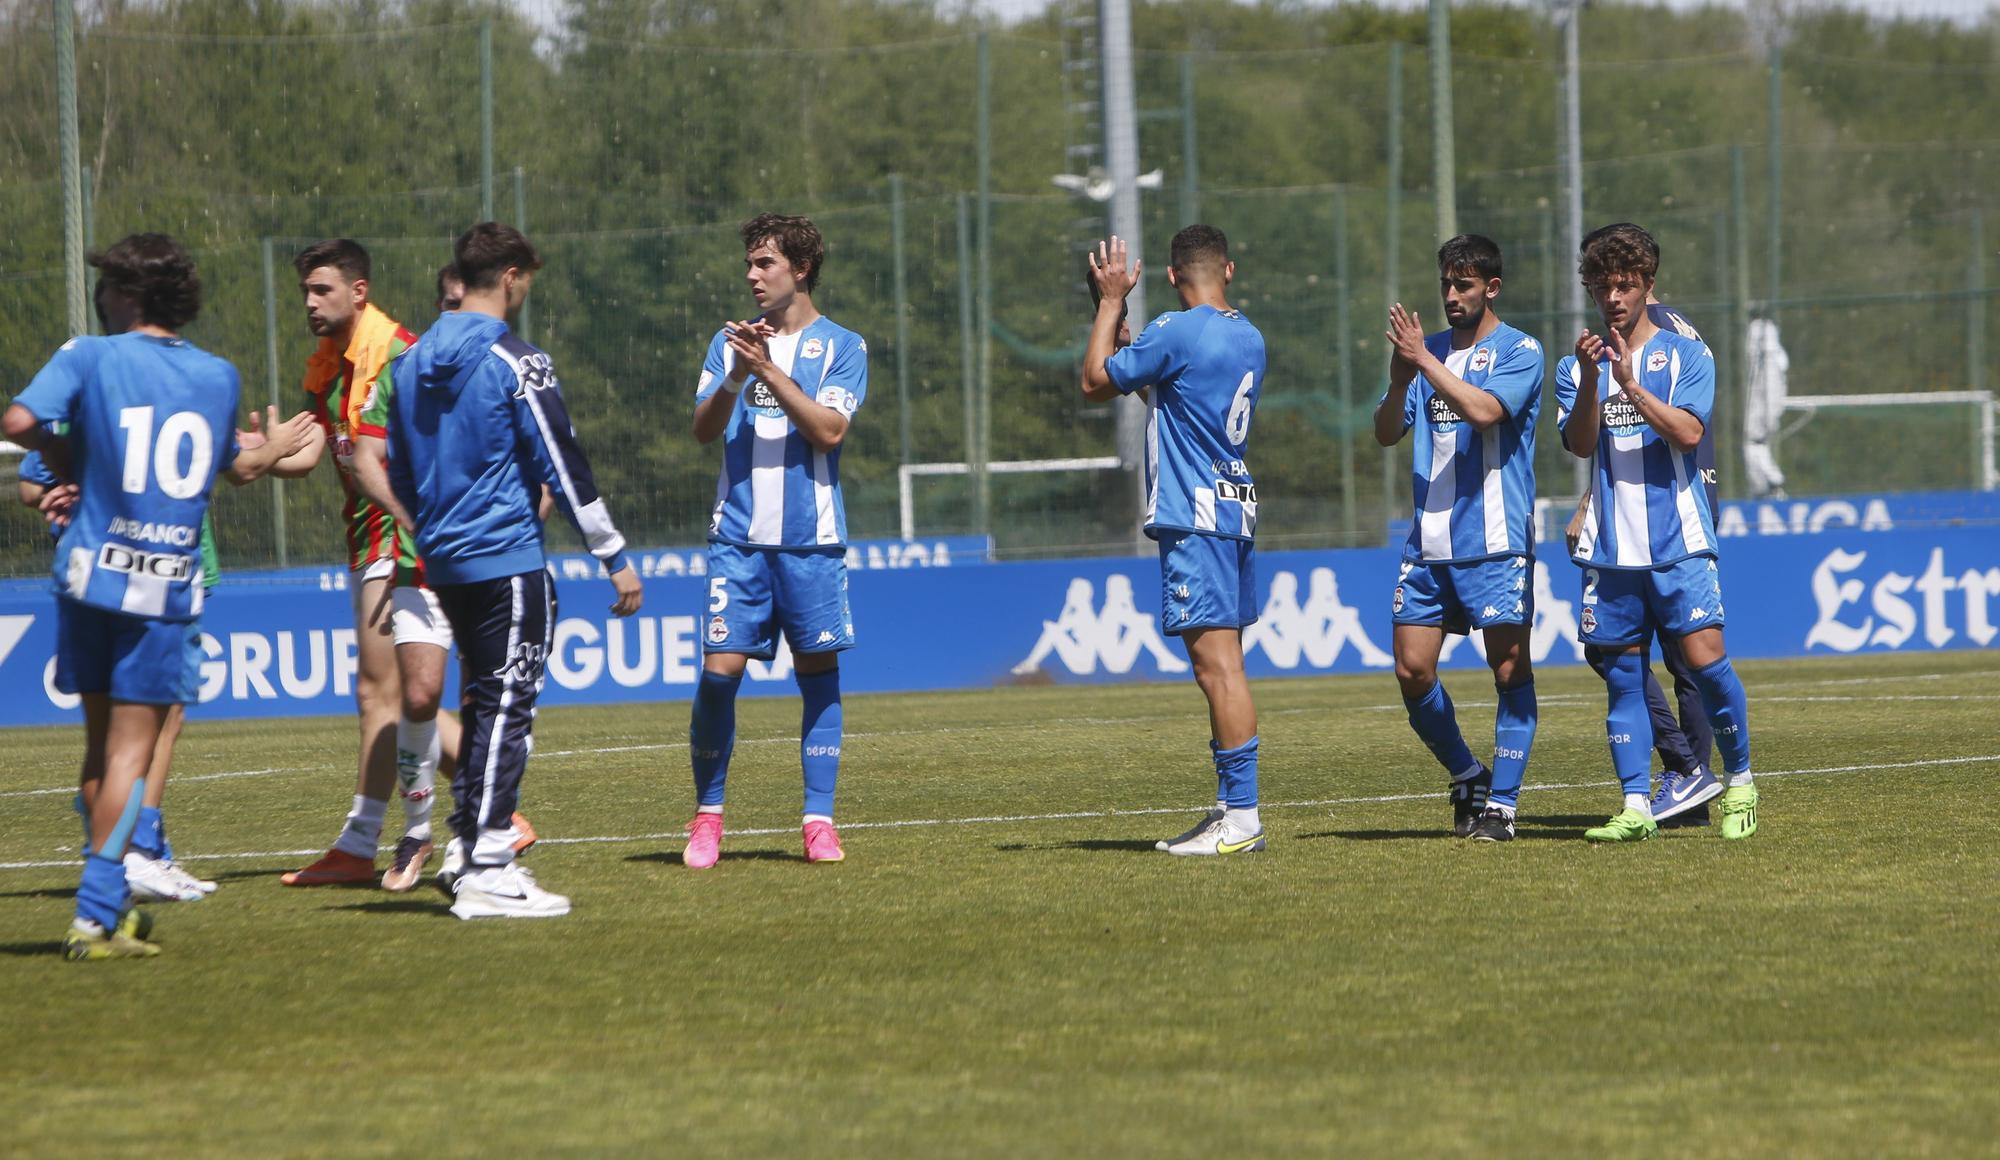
(285, 646)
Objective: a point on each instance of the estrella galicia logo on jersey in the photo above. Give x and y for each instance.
(159, 565)
(812, 348)
(1442, 414)
(1482, 358)
(718, 630)
(1656, 362)
(763, 398)
(1620, 415)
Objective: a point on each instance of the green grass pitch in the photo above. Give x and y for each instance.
(1004, 967)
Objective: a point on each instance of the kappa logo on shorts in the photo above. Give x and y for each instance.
(1698, 614)
(718, 630)
(1589, 619)
(1482, 358)
(1181, 592)
(825, 637)
(1657, 361)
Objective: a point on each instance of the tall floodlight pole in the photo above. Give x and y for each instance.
(1568, 14)
(72, 175)
(1444, 165)
(1121, 155)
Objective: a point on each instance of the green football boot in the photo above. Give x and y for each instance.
(1739, 811)
(1629, 826)
(128, 941)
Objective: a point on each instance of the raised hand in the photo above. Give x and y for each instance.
(291, 436)
(750, 342)
(1621, 362)
(1589, 349)
(1109, 272)
(1405, 333)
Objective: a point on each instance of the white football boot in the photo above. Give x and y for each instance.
(1222, 836)
(155, 880)
(505, 892)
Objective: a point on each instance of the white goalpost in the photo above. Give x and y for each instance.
(1981, 401)
(907, 474)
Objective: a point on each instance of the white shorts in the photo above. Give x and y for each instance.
(416, 617)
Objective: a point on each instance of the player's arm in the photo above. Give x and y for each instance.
(542, 427)
(1112, 281)
(1393, 414)
(30, 494)
(265, 445)
(1677, 425)
(722, 379)
(300, 463)
(1474, 405)
(1586, 419)
(371, 476)
(822, 426)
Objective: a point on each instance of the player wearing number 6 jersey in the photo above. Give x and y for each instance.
(1471, 394)
(1202, 367)
(780, 390)
(151, 422)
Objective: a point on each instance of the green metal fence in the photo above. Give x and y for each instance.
(1842, 187)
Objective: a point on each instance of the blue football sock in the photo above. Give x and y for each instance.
(149, 836)
(712, 735)
(1513, 737)
(1436, 724)
(1628, 723)
(819, 739)
(102, 894)
(1238, 770)
(1728, 712)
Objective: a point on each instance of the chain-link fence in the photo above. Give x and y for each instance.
(1841, 188)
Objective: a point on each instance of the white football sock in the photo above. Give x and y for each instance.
(363, 832)
(1244, 819)
(417, 754)
(1639, 802)
(1738, 779)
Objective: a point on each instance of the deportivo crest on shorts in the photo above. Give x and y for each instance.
(1396, 605)
(812, 348)
(718, 630)
(1482, 358)
(1589, 620)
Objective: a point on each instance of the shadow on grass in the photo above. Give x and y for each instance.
(28, 950)
(1525, 829)
(51, 892)
(398, 906)
(673, 857)
(1102, 845)
(1377, 835)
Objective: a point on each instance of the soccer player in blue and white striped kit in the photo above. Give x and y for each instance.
(1471, 393)
(1201, 368)
(477, 427)
(150, 423)
(780, 390)
(1636, 402)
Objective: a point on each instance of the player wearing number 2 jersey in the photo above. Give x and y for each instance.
(1203, 366)
(151, 422)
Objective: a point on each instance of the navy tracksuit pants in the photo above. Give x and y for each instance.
(502, 628)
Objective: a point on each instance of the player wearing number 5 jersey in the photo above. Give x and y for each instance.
(151, 422)
(1202, 367)
(779, 390)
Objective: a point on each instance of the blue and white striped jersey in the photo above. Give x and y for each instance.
(1206, 367)
(1648, 507)
(776, 489)
(151, 423)
(1474, 490)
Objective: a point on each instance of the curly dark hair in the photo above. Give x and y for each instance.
(794, 237)
(1619, 248)
(1198, 245)
(156, 273)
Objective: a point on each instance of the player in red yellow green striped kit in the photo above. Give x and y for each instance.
(401, 637)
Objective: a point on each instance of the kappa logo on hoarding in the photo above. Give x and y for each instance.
(1085, 637)
(1315, 632)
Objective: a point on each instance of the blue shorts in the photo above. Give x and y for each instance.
(1623, 606)
(755, 592)
(1461, 597)
(132, 658)
(1206, 582)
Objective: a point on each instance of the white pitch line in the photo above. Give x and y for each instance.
(1074, 815)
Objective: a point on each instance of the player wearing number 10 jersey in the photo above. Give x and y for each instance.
(1204, 366)
(151, 422)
